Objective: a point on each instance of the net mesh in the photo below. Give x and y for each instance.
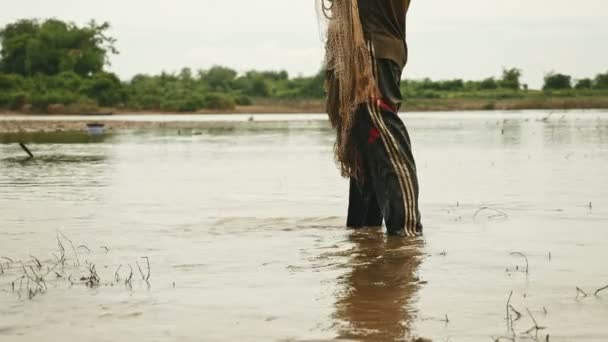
(350, 76)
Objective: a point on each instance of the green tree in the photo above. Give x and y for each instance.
(488, 84)
(105, 88)
(30, 47)
(11, 82)
(557, 81)
(254, 84)
(584, 83)
(510, 79)
(218, 78)
(601, 81)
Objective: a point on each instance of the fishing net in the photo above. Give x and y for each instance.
(350, 76)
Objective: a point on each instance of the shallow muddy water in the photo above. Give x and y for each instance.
(242, 223)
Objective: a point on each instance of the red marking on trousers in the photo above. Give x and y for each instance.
(374, 135)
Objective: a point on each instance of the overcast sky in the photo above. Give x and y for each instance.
(468, 39)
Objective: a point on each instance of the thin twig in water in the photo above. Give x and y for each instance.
(27, 150)
(536, 327)
(516, 312)
(93, 279)
(38, 263)
(497, 339)
(499, 213)
(73, 248)
(147, 276)
(85, 247)
(130, 278)
(140, 272)
(508, 305)
(106, 249)
(52, 269)
(20, 281)
(116, 275)
(580, 292)
(148, 263)
(600, 290)
(62, 249)
(525, 257)
(9, 259)
(27, 275)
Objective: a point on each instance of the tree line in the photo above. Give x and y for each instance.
(52, 65)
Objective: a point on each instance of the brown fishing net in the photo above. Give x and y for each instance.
(350, 77)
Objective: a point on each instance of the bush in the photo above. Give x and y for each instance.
(11, 82)
(557, 82)
(190, 104)
(106, 88)
(17, 100)
(42, 101)
(218, 101)
(584, 83)
(510, 79)
(488, 84)
(601, 81)
(67, 80)
(243, 100)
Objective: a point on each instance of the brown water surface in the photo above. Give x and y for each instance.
(242, 223)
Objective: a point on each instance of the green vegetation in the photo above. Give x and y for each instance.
(218, 88)
(57, 67)
(53, 66)
(506, 92)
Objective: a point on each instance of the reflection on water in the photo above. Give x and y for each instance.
(375, 303)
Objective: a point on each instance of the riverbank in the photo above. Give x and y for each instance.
(316, 106)
(19, 125)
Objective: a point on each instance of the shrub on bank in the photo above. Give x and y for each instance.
(601, 81)
(556, 81)
(218, 101)
(243, 100)
(14, 100)
(584, 83)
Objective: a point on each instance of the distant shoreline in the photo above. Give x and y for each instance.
(412, 105)
(26, 122)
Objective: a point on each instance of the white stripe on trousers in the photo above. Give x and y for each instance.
(403, 163)
(392, 149)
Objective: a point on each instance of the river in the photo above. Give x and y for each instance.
(242, 222)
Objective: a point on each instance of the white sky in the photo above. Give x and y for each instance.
(469, 39)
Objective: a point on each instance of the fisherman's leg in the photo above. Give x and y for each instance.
(405, 145)
(400, 196)
(363, 210)
(407, 168)
(394, 173)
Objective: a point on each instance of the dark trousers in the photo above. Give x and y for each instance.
(389, 189)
